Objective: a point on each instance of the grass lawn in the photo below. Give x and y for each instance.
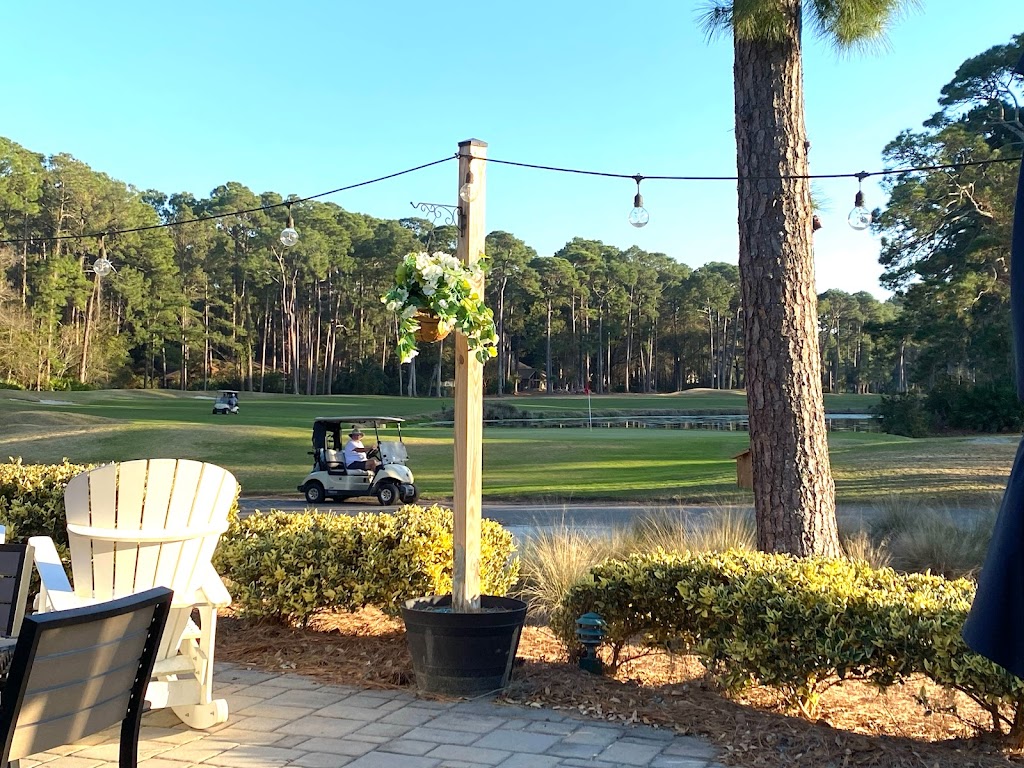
(266, 447)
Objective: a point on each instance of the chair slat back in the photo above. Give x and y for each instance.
(184, 502)
(77, 672)
(15, 571)
(131, 496)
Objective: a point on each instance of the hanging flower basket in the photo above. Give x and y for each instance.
(435, 293)
(429, 331)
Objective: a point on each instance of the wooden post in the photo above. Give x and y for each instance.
(469, 397)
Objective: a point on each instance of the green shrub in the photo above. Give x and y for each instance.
(983, 407)
(792, 624)
(903, 414)
(287, 567)
(32, 500)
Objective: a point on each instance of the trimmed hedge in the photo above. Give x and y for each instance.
(32, 500)
(792, 624)
(287, 567)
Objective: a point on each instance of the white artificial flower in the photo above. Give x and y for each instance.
(409, 311)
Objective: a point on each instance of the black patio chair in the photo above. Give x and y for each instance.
(15, 571)
(77, 672)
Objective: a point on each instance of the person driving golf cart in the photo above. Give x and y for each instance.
(381, 470)
(356, 454)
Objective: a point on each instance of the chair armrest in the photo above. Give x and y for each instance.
(56, 592)
(153, 535)
(213, 589)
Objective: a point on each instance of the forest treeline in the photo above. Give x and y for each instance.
(223, 303)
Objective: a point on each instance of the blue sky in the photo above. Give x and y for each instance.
(303, 97)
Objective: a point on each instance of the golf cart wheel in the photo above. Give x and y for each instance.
(314, 492)
(387, 494)
(412, 495)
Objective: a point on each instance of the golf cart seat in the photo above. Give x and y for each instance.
(334, 462)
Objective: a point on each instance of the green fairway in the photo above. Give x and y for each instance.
(267, 446)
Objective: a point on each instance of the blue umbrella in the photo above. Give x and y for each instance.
(995, 626)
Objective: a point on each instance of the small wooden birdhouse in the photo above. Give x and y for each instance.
(744, 470)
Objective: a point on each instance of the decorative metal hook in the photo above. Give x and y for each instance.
(439, 213)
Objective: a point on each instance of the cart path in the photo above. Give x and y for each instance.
(524, 516)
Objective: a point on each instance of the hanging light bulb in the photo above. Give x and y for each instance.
(469, 190)
(102, 267)
(639, 216)
(289, 235)
(860, 217)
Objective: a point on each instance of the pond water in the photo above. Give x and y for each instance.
(738, 422)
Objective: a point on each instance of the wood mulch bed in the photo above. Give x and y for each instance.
(856, 724)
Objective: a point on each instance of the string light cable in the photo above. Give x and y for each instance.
(284, 204)
(467, 190)
(859, 218)
(851, 175)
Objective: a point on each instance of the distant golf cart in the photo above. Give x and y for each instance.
(392, 483)
(227, 403)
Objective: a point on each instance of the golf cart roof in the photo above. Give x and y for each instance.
(369, 421)
(228, 392)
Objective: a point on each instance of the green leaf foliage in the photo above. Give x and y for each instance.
(32, 500)
(288, 567)
(793, 624)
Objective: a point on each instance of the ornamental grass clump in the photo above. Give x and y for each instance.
(439, 284)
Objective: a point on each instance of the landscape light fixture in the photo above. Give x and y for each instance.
(289, 235)
(590, 631)
(639, 216)
(860, 217)
(469, 190)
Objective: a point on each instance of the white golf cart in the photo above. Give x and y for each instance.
(392, 483)
(226, 404)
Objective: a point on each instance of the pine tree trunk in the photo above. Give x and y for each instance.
(794, 494)
(547, 352)
(502, 347)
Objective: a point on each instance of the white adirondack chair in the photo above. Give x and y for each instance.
(142, 524)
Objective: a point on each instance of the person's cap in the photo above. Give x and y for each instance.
(355, 431)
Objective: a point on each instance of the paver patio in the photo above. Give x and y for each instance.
(284, 719)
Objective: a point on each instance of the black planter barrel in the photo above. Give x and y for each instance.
(463, 654)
